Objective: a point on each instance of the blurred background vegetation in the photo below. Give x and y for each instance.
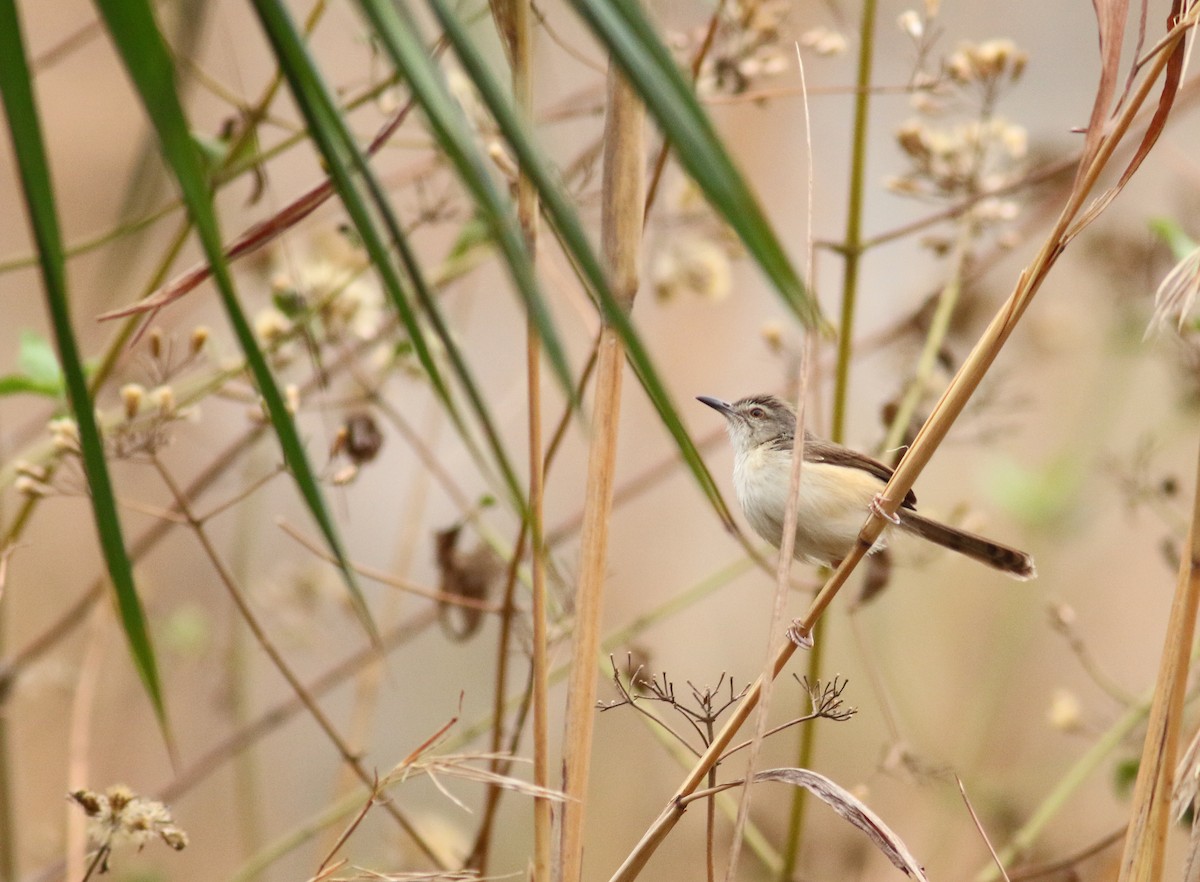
(356, 387)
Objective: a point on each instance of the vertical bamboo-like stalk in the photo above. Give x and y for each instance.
(527, 212)
(1147, 837)
(621, 234)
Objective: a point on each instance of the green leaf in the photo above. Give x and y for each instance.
(34, 173)
(633, 44)
(1169, 230)
(19, 384)
(39, 362)
(400, 38)
(133, 30)
(347, 166)
(565, 222)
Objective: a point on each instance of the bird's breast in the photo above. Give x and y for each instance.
(831, 507)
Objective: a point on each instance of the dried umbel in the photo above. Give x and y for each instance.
(750, 46)
(118, 816)
(989, 64)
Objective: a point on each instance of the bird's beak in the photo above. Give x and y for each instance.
(716, 404)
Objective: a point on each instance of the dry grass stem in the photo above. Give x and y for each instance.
(1146, 842)
(621, 234)
(385, 578)
(349, 756)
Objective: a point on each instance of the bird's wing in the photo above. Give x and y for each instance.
(835, 454)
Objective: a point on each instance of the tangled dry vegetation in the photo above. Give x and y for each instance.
(315, 533)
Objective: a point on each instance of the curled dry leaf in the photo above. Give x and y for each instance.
(469, 574)
(853, 810)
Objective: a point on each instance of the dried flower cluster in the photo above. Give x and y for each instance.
(749, 46)
(977, 151)
(987, 66)
(961, 159)
(694, 255)
(147, 415)
(325, 294)
(118, 816)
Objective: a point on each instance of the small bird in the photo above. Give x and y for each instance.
(837, 488)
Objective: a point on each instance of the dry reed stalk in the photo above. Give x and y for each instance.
(1146, 841)
(1071, 221)
(621, 235)
(514, 17)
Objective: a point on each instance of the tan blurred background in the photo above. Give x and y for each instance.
(968, 661)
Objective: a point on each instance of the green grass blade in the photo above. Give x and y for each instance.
(569, 229)
(133, 30)
(34, 173)
(633, 44)
(343, 159)
(401, 41)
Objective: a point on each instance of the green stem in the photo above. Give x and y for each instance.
(852, 246)
(939, 327)
(852, 250)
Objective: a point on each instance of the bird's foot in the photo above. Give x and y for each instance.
(876, 508)
(800, 635)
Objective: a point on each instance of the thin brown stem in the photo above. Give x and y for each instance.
(248, 615)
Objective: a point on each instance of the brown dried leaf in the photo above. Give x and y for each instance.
(1111, 16)
(469, 575)
(1166, 99)
(845, 804)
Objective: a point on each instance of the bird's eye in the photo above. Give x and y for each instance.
(757, 412)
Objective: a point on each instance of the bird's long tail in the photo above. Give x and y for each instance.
(1015, 563)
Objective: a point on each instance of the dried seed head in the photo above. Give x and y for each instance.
(772, 334)
(155, 342)
(345, 475)
(1062, 616)
(30, 487)
(30, 470)
(198, 340)
(120, 816)
(910, 23)
(64, 434)
(692, 263)
(824, 41)
(132, 396)
(1065, 713)
(986, 63)
(270, 325)
(164, 399)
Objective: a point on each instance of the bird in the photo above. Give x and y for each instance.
(838, 486)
